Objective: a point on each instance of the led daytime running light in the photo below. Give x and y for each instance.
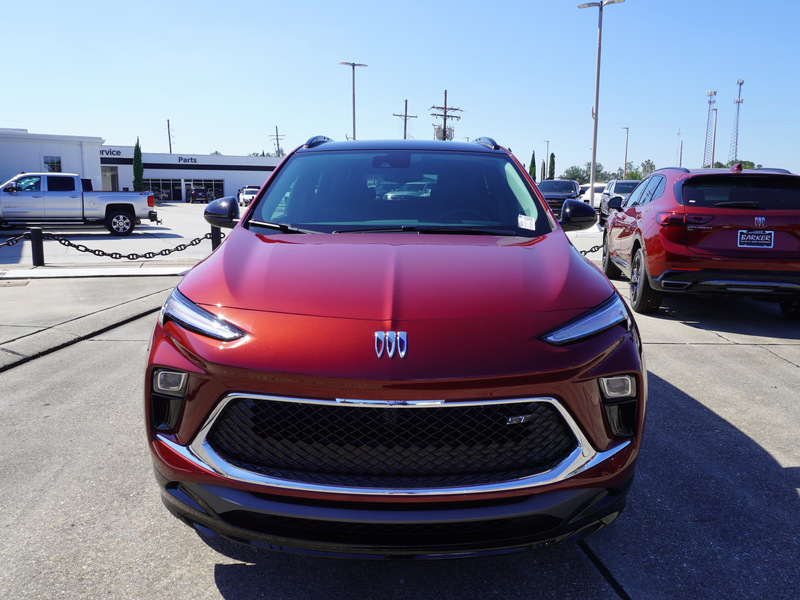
(605, 316)
(180, 309)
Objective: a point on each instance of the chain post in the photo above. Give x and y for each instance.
(37, 247)
(216, 237)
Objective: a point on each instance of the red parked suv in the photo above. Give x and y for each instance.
(425, 376)
(708, 231)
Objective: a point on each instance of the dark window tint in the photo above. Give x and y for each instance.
(653, 190)
(761, 192)
(625, 187)
(635, 198)
(60, 184)
(354, 189)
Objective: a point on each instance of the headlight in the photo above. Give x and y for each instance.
(180, 309)
(605, 316)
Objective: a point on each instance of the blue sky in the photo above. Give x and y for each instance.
(226, 74)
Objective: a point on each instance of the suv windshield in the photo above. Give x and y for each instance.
(763, 192)
(557, 187)
(341, 191)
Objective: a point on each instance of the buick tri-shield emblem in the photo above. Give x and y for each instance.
(391, 343)
(761, 221)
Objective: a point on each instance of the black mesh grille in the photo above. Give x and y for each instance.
(391, 447)
(388, 534)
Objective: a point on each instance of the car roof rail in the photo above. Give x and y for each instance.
(681, 169)
(488, 142)
(777, 170)
(316, 141)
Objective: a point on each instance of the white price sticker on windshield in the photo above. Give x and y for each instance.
(526, 222)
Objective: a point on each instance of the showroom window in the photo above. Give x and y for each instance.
(52, 164)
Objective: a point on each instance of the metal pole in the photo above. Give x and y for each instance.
(600, 6)
(353, 66)
(546, 157)
(354, 102)
(625, 164)
(713, 138)
(596, 102)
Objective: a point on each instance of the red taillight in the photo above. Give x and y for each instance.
(681, 219)
(151, 201)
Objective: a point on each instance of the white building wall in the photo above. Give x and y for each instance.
(21, 151)
(235, 171)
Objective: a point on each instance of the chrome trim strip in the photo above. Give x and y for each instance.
(584, 456)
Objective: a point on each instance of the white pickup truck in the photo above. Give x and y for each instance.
(65, 198)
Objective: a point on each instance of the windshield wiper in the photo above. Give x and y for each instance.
(740, 204)
(282, 227)
(451, 229)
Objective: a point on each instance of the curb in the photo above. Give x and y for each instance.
(26, 348)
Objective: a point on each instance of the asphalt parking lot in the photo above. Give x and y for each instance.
(714, 513)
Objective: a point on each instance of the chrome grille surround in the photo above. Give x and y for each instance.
(582, 457)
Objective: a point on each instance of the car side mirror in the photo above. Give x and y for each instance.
(10, 188)
(615, 203)
(222, 213)
(577, 215)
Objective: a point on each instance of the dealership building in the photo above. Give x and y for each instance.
(110, 168)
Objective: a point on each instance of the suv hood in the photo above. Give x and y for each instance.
(397, 276)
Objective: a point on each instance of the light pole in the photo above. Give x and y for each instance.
(353, 66)
(599, 5)
(625, 164)
(547, 154)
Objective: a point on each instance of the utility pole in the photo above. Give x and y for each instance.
(625, 162)
(169, 137)
(734, 153)
(278, 138)
(405, 116)
(547, 156)
(353, 66)
(713, 139)
(444, 115)
(710, 124)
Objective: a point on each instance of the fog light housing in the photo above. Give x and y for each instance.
(166, 399)
(620, 404)
(172, 383)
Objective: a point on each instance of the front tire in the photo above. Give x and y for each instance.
(644, 299)
(120, 222)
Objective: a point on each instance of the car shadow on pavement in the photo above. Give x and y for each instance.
(721, 313)
(712, 514)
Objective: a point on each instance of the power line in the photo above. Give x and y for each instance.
(405, 116)
(277, 138)
(445, 116)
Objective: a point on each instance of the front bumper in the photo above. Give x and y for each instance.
(394, 530)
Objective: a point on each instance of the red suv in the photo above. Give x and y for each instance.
(708, 231)
(437, 375)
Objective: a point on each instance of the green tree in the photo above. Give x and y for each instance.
(576, 173)
(551, 174)
(138, 168)
(216, 153)
(647, 167)
(532, 168)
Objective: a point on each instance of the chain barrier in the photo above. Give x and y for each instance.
(165, 252)
(114, 255)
